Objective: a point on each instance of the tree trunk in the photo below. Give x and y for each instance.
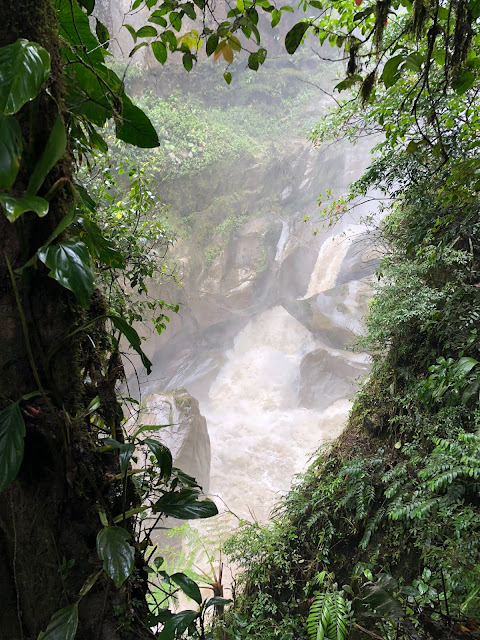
(49, 516)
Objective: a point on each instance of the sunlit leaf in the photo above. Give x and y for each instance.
(12, 433)
(24, 67)
(117, 554)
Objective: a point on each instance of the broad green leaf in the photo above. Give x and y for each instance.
(390, 73)
(188, 61)
(134, 126)
(63, 625)
(463, 82)
(189, 10)
(465, 365)
(212, 44)
(24, 67)
(14, 207)
(177, 624)
(474, 7)
(217, 602)
(227, 77)
(11, 146)
(147, 31)
(133, 338)
(163, 456)
(117, 554)
(188, 586)
(12, 433)
(74, 27)
(295, 35)
(185, 505)
(54, 150)
(159, 51)
(157, 18)
(69, 264)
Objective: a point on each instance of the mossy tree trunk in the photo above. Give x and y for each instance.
(49, 516)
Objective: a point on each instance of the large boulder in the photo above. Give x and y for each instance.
(186, 434)
(328, 376)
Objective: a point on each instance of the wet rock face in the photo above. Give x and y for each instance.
(328, 376)
(187, 434)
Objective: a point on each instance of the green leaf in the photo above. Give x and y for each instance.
(147, 31)
(464, 365)
(163, 456)
(117, 554)
(185, 505)
(390, 73)
(177, 624)
(157, 18)
(74, 27)
(217, 602)
(294, 36)
(11, 146)
(99, 247)
(134, 126)
(187, 60)
(276, 17)
(54, 150)
(63, 624)
(88, 4)
(463, 82)
(24, 67)
(189, 10)
(159, 51)
(102, 33)
(227, 77)
(14, 207)
(474, 7)
(188, 586)
(126, 450)
(212, 44)
(131, 31)
(12, 433)
(133, 338)
(168, 37)
(69, 264)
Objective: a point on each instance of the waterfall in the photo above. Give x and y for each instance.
(329, 260)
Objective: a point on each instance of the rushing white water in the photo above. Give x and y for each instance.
(259, 435)
(282, 241)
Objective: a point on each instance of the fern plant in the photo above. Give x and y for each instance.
(329, 615)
